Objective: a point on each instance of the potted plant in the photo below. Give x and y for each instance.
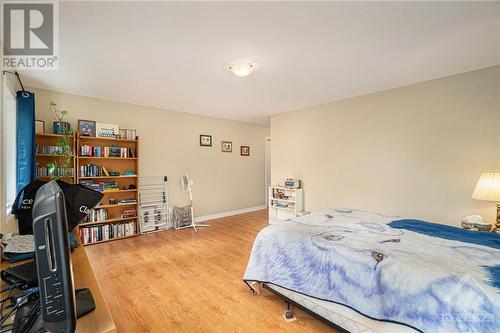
(63, 168)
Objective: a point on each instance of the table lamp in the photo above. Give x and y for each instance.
(488, 189)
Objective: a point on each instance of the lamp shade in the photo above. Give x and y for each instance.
(488, 187)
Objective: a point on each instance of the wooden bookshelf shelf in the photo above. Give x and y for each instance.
(116, 205)
(108, 177)
(119, 219)
(95, 138)
(49, 135)
(50, 177)
(112, 239)
(107, 158)
(117, 164)
(50, 155)
(119, 191)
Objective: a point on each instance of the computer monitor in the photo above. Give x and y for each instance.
(52, 253)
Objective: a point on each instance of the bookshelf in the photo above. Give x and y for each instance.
(46, 146)
(284, 203)
(95, 164)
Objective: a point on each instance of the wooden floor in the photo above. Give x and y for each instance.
(180, 281)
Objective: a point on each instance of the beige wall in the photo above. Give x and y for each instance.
(169, 145)
(416, 151)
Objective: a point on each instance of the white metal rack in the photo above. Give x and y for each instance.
(153, 204)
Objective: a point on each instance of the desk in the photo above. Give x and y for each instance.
(99, 320)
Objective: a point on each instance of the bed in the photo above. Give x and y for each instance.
(370, 272)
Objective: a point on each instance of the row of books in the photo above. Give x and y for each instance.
(58, 171)
(50, 150)
(127, 201)
(112, 151)
(93, 170)
(127, 134)
(106, 232)
(104, 186)
(96, 215)
(284, 205)
(129, 213)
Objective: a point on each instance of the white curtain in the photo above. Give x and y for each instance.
(8, 168)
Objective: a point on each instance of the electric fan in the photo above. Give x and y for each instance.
(187, 217)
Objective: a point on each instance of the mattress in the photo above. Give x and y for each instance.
(427, 276)
(342, 316)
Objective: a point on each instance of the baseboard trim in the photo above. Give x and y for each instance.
(228, 213)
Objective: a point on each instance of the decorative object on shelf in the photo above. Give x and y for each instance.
(292, 183)
(112, 201)
(488, 189)
(107, 130)
(130, 173)
(129, 213)
(127, 134)
(64, 165)
(39, 126)
(61, 127)
(205, 140)
(227, 146)
(476, 223)
(245, 150)
(86, 127)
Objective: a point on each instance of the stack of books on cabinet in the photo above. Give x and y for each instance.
(110, 166)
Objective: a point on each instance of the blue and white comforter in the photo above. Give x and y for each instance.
(387, 273)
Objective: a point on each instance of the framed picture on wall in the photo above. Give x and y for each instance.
(245, 150)
(227, 146)
(39, 126)
(86, 127)
(205, 140)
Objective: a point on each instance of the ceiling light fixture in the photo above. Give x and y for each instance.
(241, 68)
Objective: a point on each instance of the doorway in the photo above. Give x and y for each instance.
(268, 168)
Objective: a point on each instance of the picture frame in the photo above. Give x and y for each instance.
(245, 150)
(205, 140)
(39, 126)
(107, 130)
(227, 146)
(86, 127)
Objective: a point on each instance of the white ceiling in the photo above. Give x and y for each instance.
(174, 55)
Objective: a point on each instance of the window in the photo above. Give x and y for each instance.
(9, 141)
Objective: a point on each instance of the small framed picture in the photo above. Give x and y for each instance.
(205, 140)
(86, 127)
(39, 126)
(107, 130)
(227, 146)
(245, 150)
